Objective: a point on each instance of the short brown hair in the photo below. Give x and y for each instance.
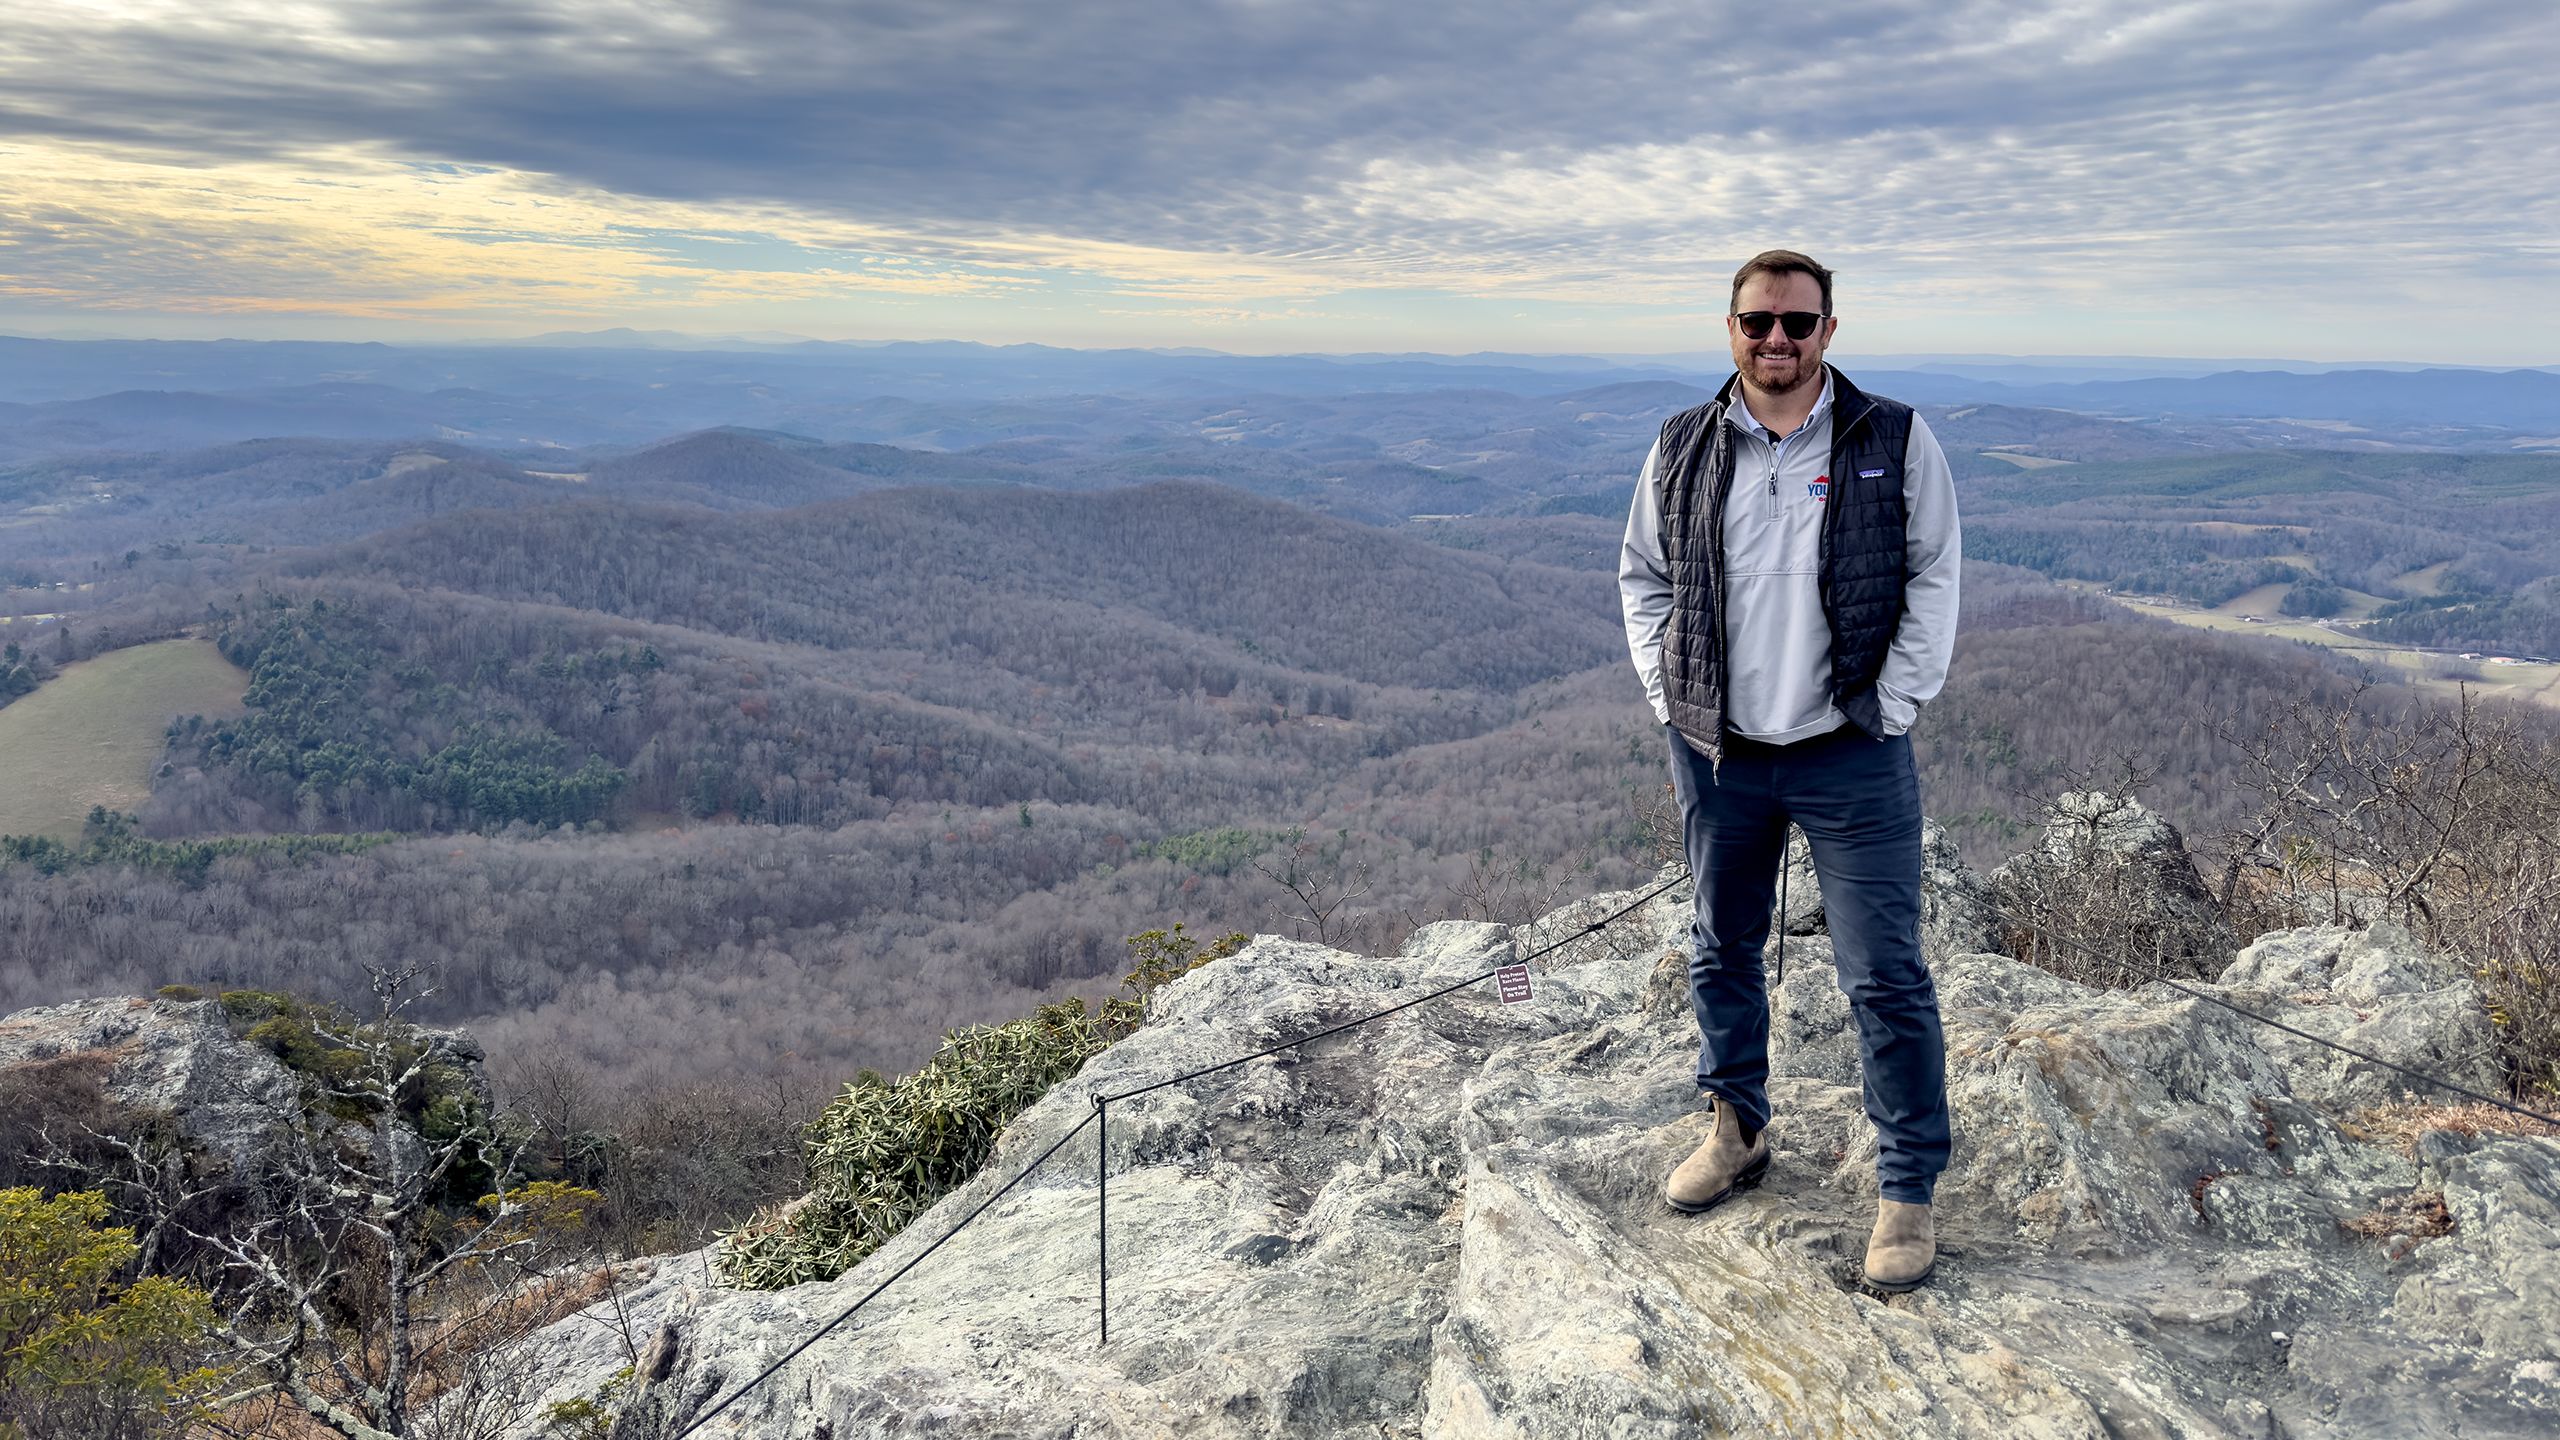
(1781, 262)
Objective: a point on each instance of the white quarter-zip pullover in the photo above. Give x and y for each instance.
(1777, 641)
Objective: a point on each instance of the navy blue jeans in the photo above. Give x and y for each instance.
(1858, 802)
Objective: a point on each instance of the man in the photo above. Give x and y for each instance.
(1789, 583)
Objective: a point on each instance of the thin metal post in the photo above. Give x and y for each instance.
(1102, 1208)
(1785, 863)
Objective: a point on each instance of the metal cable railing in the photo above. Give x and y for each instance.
(2159, 976)
(1101, 1115)
(1103, 1101)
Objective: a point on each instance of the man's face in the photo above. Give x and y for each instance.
(1774, 364)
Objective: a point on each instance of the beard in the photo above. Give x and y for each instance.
(1782, 376)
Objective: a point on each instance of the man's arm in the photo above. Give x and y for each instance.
(1644, 585)
(1933, 556)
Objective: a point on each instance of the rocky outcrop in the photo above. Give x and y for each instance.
(2110, 893)
(177, 1058)
(2375, 991)
(1448, 1223)
(180, 1058)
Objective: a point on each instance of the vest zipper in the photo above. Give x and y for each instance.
(1719, 455)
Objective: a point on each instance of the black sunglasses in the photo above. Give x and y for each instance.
(1799, 323)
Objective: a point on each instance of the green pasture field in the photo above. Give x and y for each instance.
(2267, 601)
(2023, 462)
(2425, 580)
(2538, 683)
(90, 735)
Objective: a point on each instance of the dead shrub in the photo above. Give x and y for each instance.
(2444, 818)
(2400, 1224)
(47, 1110)
(2402, 1124)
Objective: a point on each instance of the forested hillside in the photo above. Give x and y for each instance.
(980, 570)
(2363, 521)
(996, 867)
(751, 752)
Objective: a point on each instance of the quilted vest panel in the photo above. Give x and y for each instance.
(1862, 555)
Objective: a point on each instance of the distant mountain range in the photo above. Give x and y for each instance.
(53, 370)
(626, 387)
(1377, 458)
(2521, 400)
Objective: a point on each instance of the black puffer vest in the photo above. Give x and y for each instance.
(1862, 555)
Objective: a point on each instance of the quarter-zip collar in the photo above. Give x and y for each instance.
(1738, 410)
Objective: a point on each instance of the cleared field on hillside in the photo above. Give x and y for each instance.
(2234, 527)
(2538, 683)
(2425, 580)
(2267, 601)
(90, 735)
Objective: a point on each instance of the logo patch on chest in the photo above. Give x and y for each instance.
(1870, 474)
(1819, 489)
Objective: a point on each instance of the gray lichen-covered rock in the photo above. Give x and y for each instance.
(1956, 913)
(2375, 991)
(2111, 887)
(177, 1057)
(224, 1093)
(1448, 1224)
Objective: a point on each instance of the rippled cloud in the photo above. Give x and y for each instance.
(2170, 175)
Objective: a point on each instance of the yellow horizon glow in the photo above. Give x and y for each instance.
(357, 233)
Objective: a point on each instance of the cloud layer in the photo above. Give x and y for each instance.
(2330, 163)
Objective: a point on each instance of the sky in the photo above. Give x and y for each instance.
(2297, 178)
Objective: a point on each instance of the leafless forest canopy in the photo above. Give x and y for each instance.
(755, 755)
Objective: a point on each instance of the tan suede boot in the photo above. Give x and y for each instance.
(1903, 1249)
(1716, 1169)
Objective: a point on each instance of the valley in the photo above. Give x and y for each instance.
(774, 747)
(2442, 672)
